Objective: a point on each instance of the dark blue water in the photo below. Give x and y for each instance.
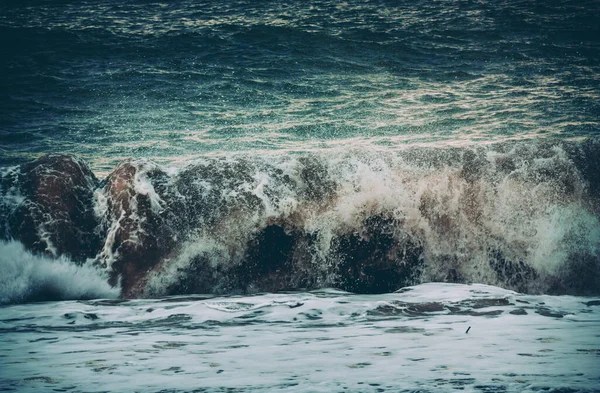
(173, 81)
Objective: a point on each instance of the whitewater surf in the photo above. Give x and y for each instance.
(523, 216)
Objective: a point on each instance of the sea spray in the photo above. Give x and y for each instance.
(520, 215)
(25, 277)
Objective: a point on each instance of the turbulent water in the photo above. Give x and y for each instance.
(429, 338)
(305, 161)
(182, 79)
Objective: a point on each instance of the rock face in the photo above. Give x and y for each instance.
(47, 205)
(138, 230)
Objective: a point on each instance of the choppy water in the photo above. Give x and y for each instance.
(268, 151)
(181, 79)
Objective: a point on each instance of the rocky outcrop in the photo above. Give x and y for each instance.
(138, 222)
(47, 204)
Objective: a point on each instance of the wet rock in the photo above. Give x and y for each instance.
(580, 275)
(140, 226)
(52, 211)
(270, 262)
(473, 164)
(316, 184)
(376, 260)
(586, 156)
(201, 276)
(267, 265)
(516, 275)
(212, 190)
(264, 219)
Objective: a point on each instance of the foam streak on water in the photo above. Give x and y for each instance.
(307, 342)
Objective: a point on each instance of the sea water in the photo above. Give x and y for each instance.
(428, 338)
(177, 80)
(300, 196)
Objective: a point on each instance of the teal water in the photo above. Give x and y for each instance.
(179, 80)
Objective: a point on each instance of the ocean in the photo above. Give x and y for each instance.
(356, 196)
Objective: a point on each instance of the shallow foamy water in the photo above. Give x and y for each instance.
(323, 341)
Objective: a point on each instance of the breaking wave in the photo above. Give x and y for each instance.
(520, 215)
(25, 277)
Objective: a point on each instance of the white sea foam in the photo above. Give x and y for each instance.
(480, 214)
(143, 186)
(427, 338)
(24, 277)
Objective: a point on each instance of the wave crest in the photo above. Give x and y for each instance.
(520, 215)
